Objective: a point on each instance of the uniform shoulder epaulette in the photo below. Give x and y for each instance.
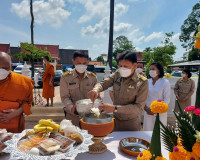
(66, 73)
(142, 77)
(93, 74)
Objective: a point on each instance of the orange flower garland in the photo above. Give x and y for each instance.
(191, 156)
(197, 44)
(159, 106)
(144, 155)
(179, 153)
(160, 158)
(196, 149)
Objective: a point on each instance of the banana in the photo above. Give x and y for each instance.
(50, 124)
(42, 128)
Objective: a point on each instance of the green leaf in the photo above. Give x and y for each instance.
(186, 132)
(169, 137)
(155, 147)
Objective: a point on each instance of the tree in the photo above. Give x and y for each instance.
(162, 54)
(31, 53)
(189, 26)
(121, 44)
(193, 54)
(100, 59)
(185, 56)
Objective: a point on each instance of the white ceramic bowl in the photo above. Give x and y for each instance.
(84, 106)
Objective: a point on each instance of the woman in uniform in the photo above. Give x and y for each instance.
(183, 90)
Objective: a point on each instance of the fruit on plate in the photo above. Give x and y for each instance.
(50, 123)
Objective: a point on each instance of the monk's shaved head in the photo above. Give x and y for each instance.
(5, 61)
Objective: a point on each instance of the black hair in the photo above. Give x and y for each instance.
(187, 71)
(80, 54)
(160, 68)
(128, 55)
(47, 58)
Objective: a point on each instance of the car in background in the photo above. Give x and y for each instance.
(58, 74)
(56, 78)
(178, 74)
(18, 69)
(99, 70)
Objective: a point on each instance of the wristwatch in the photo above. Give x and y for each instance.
(115, 108)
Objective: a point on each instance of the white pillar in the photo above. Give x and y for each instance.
(106, 98)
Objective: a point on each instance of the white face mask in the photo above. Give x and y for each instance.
(153, 73)
(139, 70)
(124, 72)
(3, 74)
(81, 68)
(183, 75)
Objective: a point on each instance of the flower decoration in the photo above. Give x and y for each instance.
(190, 108)
(197, 44)
(159, 106)
(197, 111)
(196, 149)
(179, 152)
(160, 158)
(144, 155)
(191, 156)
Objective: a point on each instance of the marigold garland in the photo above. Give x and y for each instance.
(160, 158)
(144, 155)
(179, 153)
(196, 149)
(159, 106)
(171, 156)
(191, 156)
(197, 44)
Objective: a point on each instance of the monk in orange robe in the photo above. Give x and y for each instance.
(16, 95)
(48, 83)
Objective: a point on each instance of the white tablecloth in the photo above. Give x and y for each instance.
(114, 152)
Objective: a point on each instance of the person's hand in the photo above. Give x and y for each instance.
(106, 108)
(148, 110)
(92, 95)
(8, 114)
(72, 112)
(50, 84)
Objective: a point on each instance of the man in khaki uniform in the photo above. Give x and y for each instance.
(75, 84)
(130, 93)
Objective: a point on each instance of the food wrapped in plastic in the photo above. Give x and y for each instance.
(4, 135)
(65, 143)
(49, 146)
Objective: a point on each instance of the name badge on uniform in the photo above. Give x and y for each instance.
(72, 83)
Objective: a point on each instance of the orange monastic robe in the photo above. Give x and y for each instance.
(48, 91)
(16, 91)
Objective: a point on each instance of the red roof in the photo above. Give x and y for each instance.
(5, 48)
(53, 49)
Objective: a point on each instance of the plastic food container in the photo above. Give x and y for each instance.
(47, 149)
(65, 143)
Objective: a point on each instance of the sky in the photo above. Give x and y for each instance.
(84, 24)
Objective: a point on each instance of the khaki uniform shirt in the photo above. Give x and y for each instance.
(73, 88)
(184, 89)
(130, 94)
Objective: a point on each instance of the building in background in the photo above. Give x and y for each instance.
(5, 48)
(66, 56)
(191, 65)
